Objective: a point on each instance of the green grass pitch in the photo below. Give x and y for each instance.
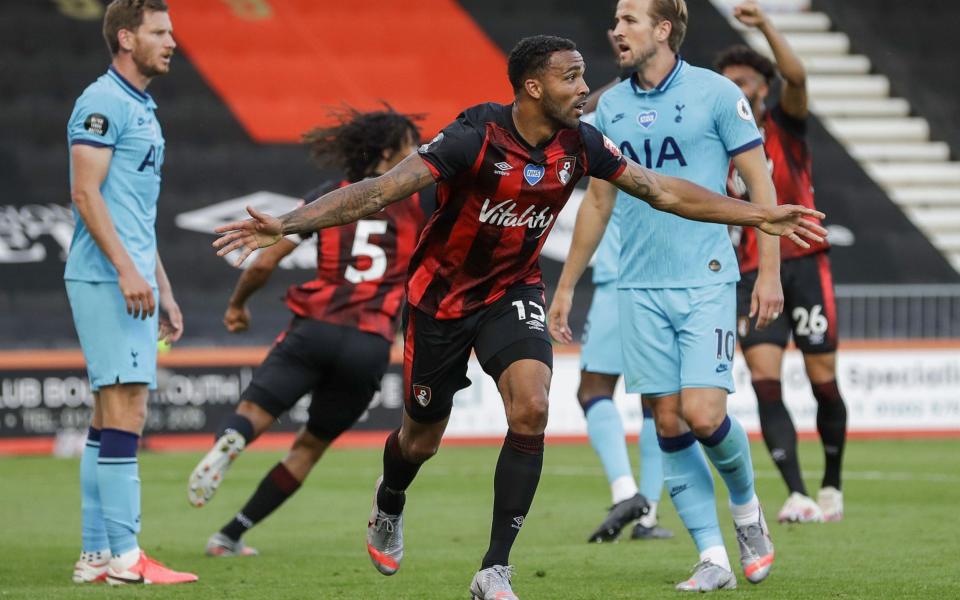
(899, 538)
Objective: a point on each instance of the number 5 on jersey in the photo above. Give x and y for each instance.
(363, 247)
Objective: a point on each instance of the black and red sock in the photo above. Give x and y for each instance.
(779, 434)
(832, 427)
(514, 486)
(274, 489)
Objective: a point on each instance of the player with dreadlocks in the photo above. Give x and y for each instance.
(337, 346)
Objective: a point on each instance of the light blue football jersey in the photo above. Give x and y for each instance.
(688, 126)
(112, 113)
(606, 260)
(607, 256)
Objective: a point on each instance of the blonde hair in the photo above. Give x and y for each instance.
(674, 11)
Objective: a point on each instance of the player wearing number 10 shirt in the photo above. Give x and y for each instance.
(503, 172)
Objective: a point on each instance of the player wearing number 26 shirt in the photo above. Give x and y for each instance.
(503, 173)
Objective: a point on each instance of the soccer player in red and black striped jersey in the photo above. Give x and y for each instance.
(809, 307)
(338, 345)
(503, 172)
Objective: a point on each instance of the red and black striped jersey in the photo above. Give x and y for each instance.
(362, 266)
(791, 167)
(497, 200)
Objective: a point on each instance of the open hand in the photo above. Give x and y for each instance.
(788, 220)
(557, 317)
(171, 319)
(259, 232)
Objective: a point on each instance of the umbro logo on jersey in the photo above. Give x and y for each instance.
(421, 394)
(503, 168)
(535, 325)
(617, 117)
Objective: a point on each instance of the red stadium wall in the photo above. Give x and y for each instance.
(281, 66)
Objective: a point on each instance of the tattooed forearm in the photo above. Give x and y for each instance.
(341, 206)
(353, 202)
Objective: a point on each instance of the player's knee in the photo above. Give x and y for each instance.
(529, 416)
(308, 448)
(703, 426)
(419, 450)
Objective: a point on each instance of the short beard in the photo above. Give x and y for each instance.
(555, 113)
(146, 69)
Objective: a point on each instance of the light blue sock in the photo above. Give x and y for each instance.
(651, 460)
(93, 530)
(118, 477)
(605, 430)
(690, 483)
(729, 451)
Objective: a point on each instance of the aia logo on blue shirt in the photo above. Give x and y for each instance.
(533, 173)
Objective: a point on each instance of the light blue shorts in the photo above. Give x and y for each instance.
(678, 338)
(601, 351)
(116, 347)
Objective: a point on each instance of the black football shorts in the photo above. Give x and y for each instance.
(809, 307)
(436, 351)
(340, 366)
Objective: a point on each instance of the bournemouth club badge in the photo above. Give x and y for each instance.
(421, 394)
(565, 168)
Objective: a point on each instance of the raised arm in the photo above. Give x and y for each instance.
(793, 96)
(691, 201)
(592, 219)
(339, 207)
(90, 167)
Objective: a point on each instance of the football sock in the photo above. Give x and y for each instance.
(514, 485)
(717, 555)
(745, 514)
(651, 468)
(238, 423)
(688, 479)
(729, 450)
(93, 529)
(398, 474)
(118, 480)
(274, 489)
(605, 430)
(779, 434)
(832, 427)
(651, 460)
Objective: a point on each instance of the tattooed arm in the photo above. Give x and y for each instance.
(339, 207)
(689, 200)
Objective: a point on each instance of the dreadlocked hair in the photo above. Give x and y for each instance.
(356, 143)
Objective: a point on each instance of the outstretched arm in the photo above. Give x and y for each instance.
(793, 96)
(339, 207)
(691, 201)
(592, 219)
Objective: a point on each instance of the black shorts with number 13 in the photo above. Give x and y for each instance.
(436, 351)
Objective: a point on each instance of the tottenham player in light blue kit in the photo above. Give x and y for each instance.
(601, 365)
(677, 280)
(114, 279)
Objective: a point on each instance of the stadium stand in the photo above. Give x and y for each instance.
(50, 54)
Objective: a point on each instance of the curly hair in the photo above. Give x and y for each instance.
(356, 143)
(531, 55)
(742, 55)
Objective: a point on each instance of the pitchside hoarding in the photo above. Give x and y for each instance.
(914, 391)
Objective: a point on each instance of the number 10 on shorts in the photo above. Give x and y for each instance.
(725, 344)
